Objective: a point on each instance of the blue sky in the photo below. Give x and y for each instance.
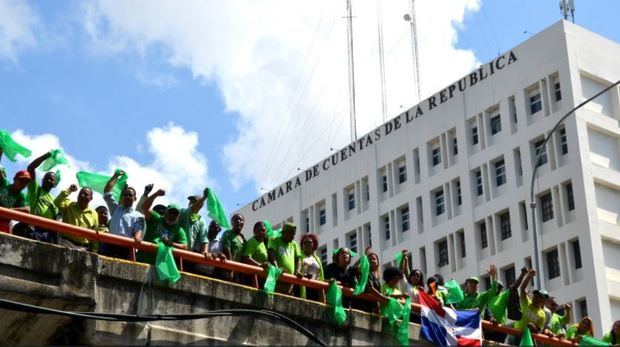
(233, 94)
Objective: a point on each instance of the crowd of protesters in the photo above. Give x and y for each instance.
(184, 228)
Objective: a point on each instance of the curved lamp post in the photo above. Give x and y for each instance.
(537, 164)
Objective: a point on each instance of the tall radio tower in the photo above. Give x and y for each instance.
(414, 47)
(351, 71)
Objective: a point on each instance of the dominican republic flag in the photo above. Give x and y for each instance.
(447, 327)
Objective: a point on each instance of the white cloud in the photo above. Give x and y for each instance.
(282, 66)
(178, 167)
(18, 23)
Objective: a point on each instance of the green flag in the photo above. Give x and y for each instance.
(97, 182)
(590, 341)
(57, 157)
(333, 297)
(455, 293)
(398, 258)
(10, 148)
(365, 271)
(526, 338)
(270, 232)
(273, 273)
(216, 211)
(402, 334)
(165, 265)
(497, 305)
(392, 310)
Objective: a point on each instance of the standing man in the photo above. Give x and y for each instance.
(125, 221)
(232, 241)
(41, 201)
(77, 213)
(474, 299)
(11, 195)
(195, 228)
(285, 253)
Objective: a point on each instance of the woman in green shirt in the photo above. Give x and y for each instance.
(613, 336)
(585, 327)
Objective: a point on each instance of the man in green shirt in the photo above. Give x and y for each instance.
(11, 195)
(474, 299)
(164, 228)
(196, 229)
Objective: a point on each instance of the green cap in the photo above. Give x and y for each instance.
(473, 279)
(173, 207)
(541, 292)
(289, 227)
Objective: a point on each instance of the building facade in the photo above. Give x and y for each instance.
(449, 179)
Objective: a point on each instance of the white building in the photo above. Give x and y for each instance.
(449, 179)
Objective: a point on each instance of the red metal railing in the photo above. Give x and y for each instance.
(228, 265)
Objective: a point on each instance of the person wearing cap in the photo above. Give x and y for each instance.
(556, 324)
(11, 195)
(76, 213)
(532, 310)
(473, 299)
(125, 220)
(285, 253)
(165, 228)
(195, 228)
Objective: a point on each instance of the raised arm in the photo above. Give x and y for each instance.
(517, 283)
(526, 281)
(146, 207)
(36, 163)
(62, 200)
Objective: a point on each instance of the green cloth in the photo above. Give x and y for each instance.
(195, 229)
(74, 215)
(398, 258)
(333, 296)
(10, 148)
(557, 324)
(498, 305)
(155, 228)
(270, 232)
(9, 198)
(286, 253)
(165, 265)
(454, 292)
(572, 332)
(590, 341)
(216, 211)
(273, 273)
(364, 271)
(530, 314)
(255, 250)
(97, 182)
(57, 157)
(234, 243)
(607, 338)
(479, 300)
(526, 338)
(41, 202)
(402, 334)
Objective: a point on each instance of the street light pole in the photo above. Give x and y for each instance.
(537, 164)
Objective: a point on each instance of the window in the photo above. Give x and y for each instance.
(576, 254)
(455, 146)
(546, 204)
(479, 182)
(583, 308)
(535, 102)
(369, 236)
(504, 225)
(353, 241)
(474, 135)
(569, 196)
(509, 276)
(484, 243)
(500, 172)
(462, 242)
(436, 153)
(323, 253)
(322, 216)
(459, 197)
(557, 91)
(563, 141)
(307, 222)
(496, 124)
(351, 200)
(384, 182)
(539, 148)
(553, 264)
(386, 226)
(442, 250)
(367, 193)
(440, 206)
(404, 218)
(402, 174)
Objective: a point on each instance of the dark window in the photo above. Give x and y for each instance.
(386, 224)
(553, 264)
(546, 205)
(307, 225)
(369, 236)
(353, 242)
(504, 225)
(479, 182)
(442, 248)
(539, 148)
(558, 91)
(351, 200)
(402, 174)
(323, 253)
(496, 124)
(384, 181)
(474, 135)
(462, 241)
(484, 243)
(367, 193)
(563, 141)
(583, 308)
(440, 206)
(459, 197)
(455, 146)
(322, 216)
(404, 217)
(436, 155)
(509, 276)
(535, 103)
(500, 173)
(577, 254)
(569, 196)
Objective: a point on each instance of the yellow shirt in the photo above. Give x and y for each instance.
(74, 215)
(531, 314)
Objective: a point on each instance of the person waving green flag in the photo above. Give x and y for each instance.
(97, 182)
(10, 148)
(216, 211)
(57, 157)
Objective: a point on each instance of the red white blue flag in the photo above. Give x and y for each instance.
(447, 327)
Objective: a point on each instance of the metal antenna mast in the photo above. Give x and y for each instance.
(566, 6)
(351, 71)
(414, 47)
(381, 61)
